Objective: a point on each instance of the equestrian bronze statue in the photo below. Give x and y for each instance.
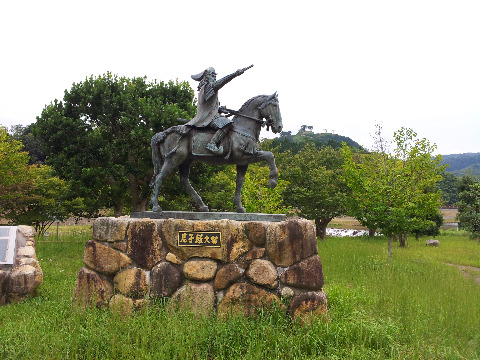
(212, 137)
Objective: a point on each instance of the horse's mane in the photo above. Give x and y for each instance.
(247, 103)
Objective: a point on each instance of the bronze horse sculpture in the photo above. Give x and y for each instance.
(179, 145)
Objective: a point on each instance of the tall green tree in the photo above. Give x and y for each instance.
(469, 206)
(449, 188)
(315, 186)
(14, 175)
(98, 137)
(394, 192)
(45, 199)
(257, 196)
(31, 144)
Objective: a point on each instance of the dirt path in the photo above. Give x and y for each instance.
(469, 271)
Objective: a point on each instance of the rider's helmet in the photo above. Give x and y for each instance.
(199, 76)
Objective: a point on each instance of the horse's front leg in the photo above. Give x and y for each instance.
(237, 200)
(270, 159)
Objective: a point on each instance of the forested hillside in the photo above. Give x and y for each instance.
(460, 164)
(296, 142)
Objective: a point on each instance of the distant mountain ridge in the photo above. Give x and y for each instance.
(460, 164)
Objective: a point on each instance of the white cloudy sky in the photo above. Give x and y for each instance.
(343, 66)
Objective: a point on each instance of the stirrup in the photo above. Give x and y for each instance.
(214, 149)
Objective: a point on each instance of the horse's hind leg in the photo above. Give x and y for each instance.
(184, 170)
(237, 200)
(167, 169)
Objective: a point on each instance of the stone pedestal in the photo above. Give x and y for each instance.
(222, 266)
(21, 274)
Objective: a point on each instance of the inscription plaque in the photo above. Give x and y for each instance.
(3, 250)
(199, 238)
(8, 235)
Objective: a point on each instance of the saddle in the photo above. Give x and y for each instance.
(201, 137)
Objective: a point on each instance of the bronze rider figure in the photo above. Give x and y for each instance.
(208, 106)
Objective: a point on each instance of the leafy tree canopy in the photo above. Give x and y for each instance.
(257, 196)
(449, 188)
(14, 176)
(315, 187)
(395, 191)
(98, 137)
(469, 206)
(31, 144)
(46, 199)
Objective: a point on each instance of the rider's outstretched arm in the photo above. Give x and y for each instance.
(219, 83)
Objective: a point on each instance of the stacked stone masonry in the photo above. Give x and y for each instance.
(21, 279)
(130, 262)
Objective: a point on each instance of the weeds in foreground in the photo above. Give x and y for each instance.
(415, 307)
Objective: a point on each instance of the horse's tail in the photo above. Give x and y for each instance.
(157, 157)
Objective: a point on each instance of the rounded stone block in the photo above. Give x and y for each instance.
(131, 282)
(144, 243)
(233, 243)
(256, 232)
(104, 259)
(3, 278)
(290, 241)
(226, 276)
(197, 298)
(255, 253)
(308, 304)
(26, 261)
(24, 280)
(3, 287)
(91, 289)
(174, 259)
(121, 304)
(109, 229)
(201, 270)
(262, 272)
(287, 292)
(247, 299)
(165, 278)
(307, 274)
(120, 245)
(26, 251)
(27, 230)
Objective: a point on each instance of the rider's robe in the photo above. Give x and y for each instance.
(208, 104)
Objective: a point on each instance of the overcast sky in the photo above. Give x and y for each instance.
(343, 66)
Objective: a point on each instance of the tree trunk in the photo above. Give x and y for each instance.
(137, 202)
(371, 232)
(402, 238)
(117, 209)
(321, 227)
(139, 206)
(389, 247)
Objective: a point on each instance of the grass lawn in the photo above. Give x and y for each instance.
(416, 306)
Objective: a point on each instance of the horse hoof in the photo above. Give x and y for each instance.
(273, 183)
(203, 208)
(241, 209)
(157, 209)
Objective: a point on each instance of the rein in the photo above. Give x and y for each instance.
(234, 112)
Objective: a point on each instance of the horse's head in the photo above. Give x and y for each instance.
(270, 111)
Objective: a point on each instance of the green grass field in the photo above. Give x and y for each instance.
(414, 307)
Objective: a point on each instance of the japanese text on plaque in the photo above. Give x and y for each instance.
(201, 238)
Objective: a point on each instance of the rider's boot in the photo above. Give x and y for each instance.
(212, 145)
